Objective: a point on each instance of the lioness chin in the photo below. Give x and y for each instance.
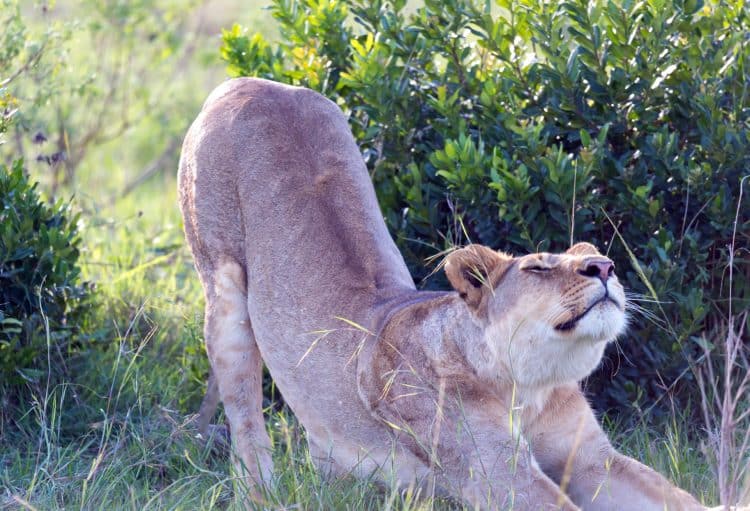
(472, 393)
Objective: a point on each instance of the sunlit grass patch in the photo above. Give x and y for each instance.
(671, 449)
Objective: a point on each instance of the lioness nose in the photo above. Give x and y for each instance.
(602, 268)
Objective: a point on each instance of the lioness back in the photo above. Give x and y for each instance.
(272, 180)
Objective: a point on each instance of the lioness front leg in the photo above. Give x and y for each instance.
(472, 454)
(502, 473)
(237, 366)
(571, 447)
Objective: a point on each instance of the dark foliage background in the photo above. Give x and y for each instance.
(533, 124)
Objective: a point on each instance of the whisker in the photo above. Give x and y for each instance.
(649, 316)
(640, 297)
(642, 311)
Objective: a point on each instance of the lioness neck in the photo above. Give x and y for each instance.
(453, 340)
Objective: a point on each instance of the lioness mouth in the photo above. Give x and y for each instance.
(571, 323)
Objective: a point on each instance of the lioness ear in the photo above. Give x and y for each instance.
(582, 248)
(472, 270)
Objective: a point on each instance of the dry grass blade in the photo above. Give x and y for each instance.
(725, 407)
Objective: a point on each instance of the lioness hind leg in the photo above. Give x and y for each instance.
(237, 366)
(208, 406)
(211, 432)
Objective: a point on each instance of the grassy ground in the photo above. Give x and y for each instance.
(117, 433)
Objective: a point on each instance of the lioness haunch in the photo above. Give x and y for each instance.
(300, 272)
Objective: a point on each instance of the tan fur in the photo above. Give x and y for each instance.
(471, 393)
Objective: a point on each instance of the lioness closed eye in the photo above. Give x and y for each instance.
(289, 242)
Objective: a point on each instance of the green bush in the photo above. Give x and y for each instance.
(41, 298)
(529, 125)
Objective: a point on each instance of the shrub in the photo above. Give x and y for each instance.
(538, 123)
(41, 298)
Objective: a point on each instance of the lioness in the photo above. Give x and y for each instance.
(471, 393)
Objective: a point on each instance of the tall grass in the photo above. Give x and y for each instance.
(724, 381)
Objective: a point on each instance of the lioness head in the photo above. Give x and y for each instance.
(545, 318)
